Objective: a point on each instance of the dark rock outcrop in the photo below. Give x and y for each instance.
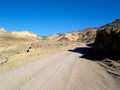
(107, 41)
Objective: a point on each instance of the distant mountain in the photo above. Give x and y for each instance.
(87, 35)
(2, 30)
(23, 35)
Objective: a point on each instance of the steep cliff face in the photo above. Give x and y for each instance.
(107, 41)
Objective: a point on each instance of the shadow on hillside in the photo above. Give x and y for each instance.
(88, 53)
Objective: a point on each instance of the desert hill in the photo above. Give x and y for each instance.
(27, 45)
(2, 30)
(87, 35)
(18, 35)
(23, 34)
(17, 48)
(14, 45)
(27, 57)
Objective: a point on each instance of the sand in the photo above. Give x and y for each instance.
(61, 71)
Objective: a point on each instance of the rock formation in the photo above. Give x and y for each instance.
(107, 41)
(87, 35)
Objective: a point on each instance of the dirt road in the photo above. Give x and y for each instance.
(61, 71)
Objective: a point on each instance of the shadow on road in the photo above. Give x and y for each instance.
(87, 53)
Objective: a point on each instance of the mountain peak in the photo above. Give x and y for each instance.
(2, 30)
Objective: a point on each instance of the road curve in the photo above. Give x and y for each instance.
(61, 71)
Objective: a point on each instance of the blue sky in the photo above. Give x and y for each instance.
(46, 17)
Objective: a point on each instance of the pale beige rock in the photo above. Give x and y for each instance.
(72, 36)
(2, 30)
(87, 35)
(23, 34)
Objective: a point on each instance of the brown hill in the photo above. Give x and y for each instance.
(17, 48)
(87, 35)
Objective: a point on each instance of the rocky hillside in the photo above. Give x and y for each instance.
(87, 35)
(107, 41)
(17, 48)
(107, 47)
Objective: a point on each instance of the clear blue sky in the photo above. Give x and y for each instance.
(46, 17)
